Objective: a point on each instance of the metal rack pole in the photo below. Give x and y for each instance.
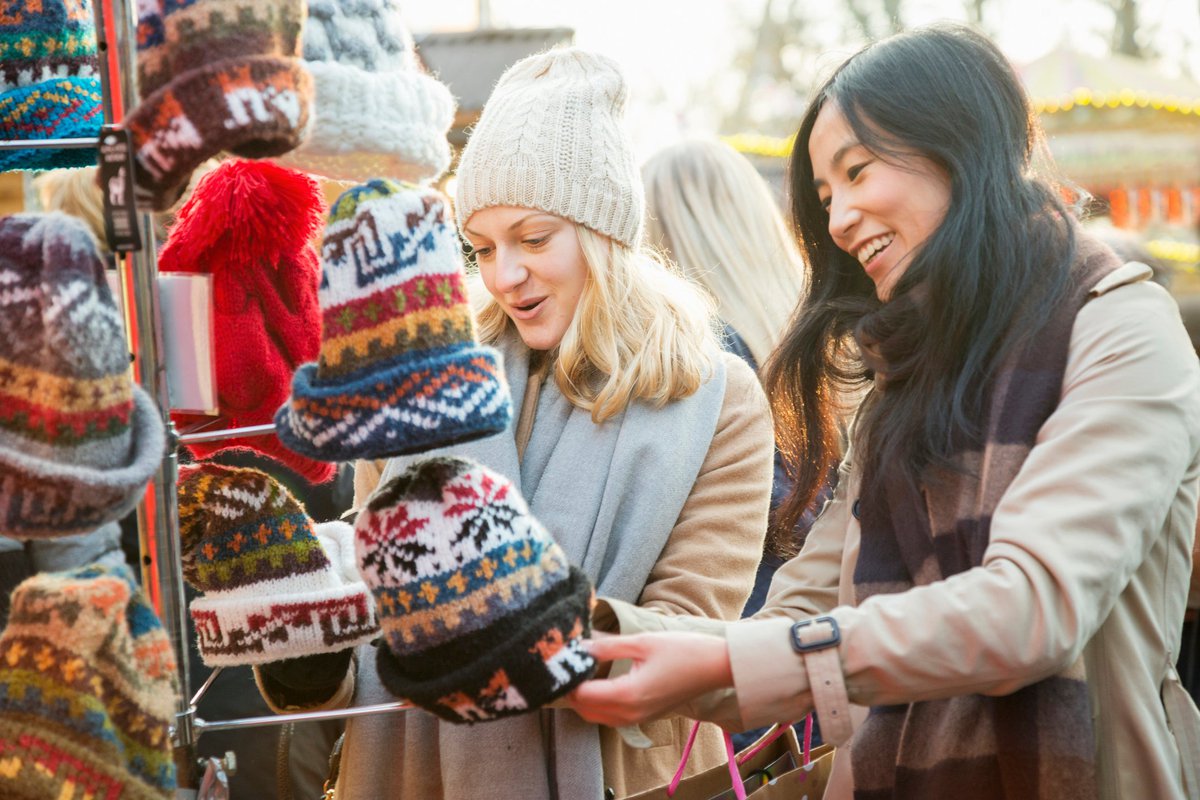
(162, 569)
(204, 726)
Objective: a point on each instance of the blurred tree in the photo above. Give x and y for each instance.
(1125, 37)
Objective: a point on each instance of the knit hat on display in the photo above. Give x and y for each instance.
(400, 371)
(481, 612)
(251, 225)
(78, 440)
(377, 114)
(552, 137)
(48, 83)
(87, 690)
(275, 585)
(215, 75)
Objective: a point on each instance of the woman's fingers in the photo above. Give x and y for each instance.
(609, 647)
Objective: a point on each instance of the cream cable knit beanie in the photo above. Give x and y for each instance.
(551, 138)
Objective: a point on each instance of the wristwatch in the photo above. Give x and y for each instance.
(816, 641)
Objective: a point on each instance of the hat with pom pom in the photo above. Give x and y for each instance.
(251, 225)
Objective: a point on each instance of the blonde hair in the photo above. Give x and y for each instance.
(714, 215)
(74, 192)
(640, 332)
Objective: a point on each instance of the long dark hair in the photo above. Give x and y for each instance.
(998, 261)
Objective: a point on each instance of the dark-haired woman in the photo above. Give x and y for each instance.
(998, 585)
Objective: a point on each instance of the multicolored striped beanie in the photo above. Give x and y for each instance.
(252, 225)
(275, 585)
(49, 87)
(400, 370)
(377, 113)
(215, 75)
(88, 690)
(481, 612)
(78, 440)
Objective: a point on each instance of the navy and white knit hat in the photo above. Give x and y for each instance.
(88, 690)
(78, 440)
(481, 612)
(276, 586)
(400, 370)
(377, 113)
(49, 88)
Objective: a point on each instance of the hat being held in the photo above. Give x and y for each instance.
(400, 370)
(552, 138)
(377, 113)
(78, 440)
(481, 612)
(275, 585)
(215, 75)
(49, 87)
(251, 225)
(88, 690)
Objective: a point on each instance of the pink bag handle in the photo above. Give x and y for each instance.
(735, 761)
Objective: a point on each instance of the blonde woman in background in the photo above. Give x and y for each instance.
(713, 214)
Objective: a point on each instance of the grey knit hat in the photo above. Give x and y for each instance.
(78, 440)
(378, 115)
(551, 138)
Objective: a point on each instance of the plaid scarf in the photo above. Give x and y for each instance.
(1036, 743)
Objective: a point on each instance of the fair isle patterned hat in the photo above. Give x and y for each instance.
(78, 440)
(88, 690)
(400, 371)
(377, 113)
(275, 585)
(215, 75)
(49, 88)
(481, 612)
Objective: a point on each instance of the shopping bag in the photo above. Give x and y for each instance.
(760, 768)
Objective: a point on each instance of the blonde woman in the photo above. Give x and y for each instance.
(713, 214)
(642, 447)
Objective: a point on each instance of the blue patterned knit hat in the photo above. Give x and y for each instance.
(78, 440)
(88, 689)
(400, 370)
(49, 87)
(481, 611)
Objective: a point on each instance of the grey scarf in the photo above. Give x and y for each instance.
(610, 494)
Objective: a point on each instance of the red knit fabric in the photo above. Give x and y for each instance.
(252, 224)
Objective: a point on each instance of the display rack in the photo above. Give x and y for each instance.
(157, 513)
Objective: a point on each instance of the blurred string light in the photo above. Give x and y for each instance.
(1082, 97)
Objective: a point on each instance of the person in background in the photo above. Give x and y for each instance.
(640, 446)
(999, 583)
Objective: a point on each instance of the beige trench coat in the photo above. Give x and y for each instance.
(1090, 553)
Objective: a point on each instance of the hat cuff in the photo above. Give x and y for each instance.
(40, 498)
(540, 662)
(376, 124)
(413, 406)
(60, 108)
(254, 107)
(253, 629)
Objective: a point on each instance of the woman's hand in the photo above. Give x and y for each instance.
(668, 669)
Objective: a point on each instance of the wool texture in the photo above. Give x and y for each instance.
(215, 75)
(49, 88)
(481, 611)
(78, 440)
(88, 690)
(377, 114)
(275, 585)
(1036, 742)
(251, 225)
(552, 137)
(399, 370)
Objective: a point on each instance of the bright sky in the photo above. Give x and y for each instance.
(677, 53)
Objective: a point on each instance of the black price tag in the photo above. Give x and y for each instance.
(116, 184)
